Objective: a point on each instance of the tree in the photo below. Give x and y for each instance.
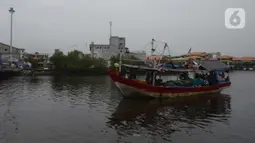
(76, 61)
(59, 60)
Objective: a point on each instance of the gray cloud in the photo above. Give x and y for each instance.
(43, 25)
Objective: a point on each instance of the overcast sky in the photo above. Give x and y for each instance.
(43, 25)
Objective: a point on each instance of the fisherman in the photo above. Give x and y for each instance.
(212, 79)
(148, 78)
(116, 66)
(226, 76)
(158, 80)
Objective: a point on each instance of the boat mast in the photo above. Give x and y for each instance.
(152, 46)
(153, 62)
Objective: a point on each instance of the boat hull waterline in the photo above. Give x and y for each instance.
(131, 88)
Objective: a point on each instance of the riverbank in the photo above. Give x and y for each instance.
(80, 72)
(8, 73)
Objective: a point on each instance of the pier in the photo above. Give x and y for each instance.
(10, 72)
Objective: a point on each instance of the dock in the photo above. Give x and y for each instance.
(9, 72)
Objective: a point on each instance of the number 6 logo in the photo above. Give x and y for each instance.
(234, 18)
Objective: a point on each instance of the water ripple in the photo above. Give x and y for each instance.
(90, 109)
(168, 116)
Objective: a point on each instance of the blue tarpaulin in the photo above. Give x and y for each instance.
(172, 66)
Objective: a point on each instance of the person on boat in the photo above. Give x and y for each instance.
(226, 76)
(203, 77)
(185, 80)
(149, 77)
(158, 80)
(184, 76)
(116, 65)
(122, 72)
(188, 63)
(197, 80)
(212, 78)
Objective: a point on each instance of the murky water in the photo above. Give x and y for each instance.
(90, 109)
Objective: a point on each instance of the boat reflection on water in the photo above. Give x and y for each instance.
(167, 116)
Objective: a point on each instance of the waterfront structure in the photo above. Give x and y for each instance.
(42, 58)
(15, 53)
(106, 51)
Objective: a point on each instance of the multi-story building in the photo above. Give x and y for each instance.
(14, 54)
(118, 44)
(106, 51)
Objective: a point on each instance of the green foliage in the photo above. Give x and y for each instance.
(77, 62)
(58, 60)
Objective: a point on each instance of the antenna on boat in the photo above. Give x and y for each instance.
(166, 46)
(153, 61)
(152, 47)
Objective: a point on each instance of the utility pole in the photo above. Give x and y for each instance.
(11, 10)
(110, 29)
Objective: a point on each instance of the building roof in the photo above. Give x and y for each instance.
(226, 57)
(100, 44)
(213, 65)
(117, 37)
(148, 68)
(36, 53)
(244, 58)
(9, 46)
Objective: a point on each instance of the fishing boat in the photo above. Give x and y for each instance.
(205, 77)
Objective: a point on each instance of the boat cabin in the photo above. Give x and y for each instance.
(206, 73)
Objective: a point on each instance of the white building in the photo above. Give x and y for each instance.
(15, 53)
(115, 46)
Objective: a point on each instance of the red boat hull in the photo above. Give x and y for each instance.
(130, 88)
